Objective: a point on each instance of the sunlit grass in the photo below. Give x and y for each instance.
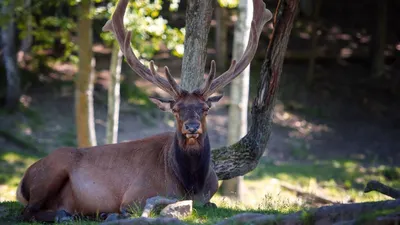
(12, 167)
(340, 180)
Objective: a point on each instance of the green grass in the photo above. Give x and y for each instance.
(337, 179)
(10, 214)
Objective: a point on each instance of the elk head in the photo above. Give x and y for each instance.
(189, 109)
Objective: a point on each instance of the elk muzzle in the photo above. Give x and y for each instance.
(192, 129)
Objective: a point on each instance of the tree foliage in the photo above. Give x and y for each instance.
(55, 30)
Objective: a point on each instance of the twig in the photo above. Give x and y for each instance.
(317, 198)
(374, 185)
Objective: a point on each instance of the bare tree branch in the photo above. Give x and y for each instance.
(374, 185)
(242, 157)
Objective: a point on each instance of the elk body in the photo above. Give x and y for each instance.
(110, 178)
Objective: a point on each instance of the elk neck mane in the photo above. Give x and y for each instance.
(190, 165)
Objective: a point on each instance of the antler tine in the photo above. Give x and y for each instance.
(261, 16)
(217, 85)
(172, 81)
(159, 81)
(116, 26)
(210, 78)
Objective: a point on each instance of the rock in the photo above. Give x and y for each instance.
(178, 209)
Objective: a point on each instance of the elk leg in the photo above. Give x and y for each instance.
(43, 183)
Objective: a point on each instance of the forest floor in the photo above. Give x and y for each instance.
(328, 140)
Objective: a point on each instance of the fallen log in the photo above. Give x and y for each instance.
(321, 216)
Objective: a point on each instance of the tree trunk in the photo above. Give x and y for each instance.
(314, 41)
(379, 40)
(27, 41)
(221, 37)
(198, 19)
(243, 156)
(9, 56)
(114, 94)
(239, 93)
(86, 132)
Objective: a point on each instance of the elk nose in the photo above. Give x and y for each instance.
(192, 127)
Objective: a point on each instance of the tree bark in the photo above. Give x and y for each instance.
(243, 156)
(114, 94)
(198, 19)
(84, 114)
(221, 36)
(239, 93)
(9, 57)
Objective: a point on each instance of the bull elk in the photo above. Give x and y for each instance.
(110, 178)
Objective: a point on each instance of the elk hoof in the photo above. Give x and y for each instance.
(210, 205)
(63, 216)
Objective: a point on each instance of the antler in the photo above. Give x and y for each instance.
(261, 15)
(116, 26)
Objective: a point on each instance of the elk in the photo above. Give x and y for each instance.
(110, 178)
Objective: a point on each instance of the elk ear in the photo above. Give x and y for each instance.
(163, 103)
(214, 99)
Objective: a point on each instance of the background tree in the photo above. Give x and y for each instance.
(27, 36)
(8, 42)
(239, 93)
(114, 94)
(221, 34)
(86, 132)
(379, 44)
(315, 6)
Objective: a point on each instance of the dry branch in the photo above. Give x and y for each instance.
(315, 197)
(383, 189)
